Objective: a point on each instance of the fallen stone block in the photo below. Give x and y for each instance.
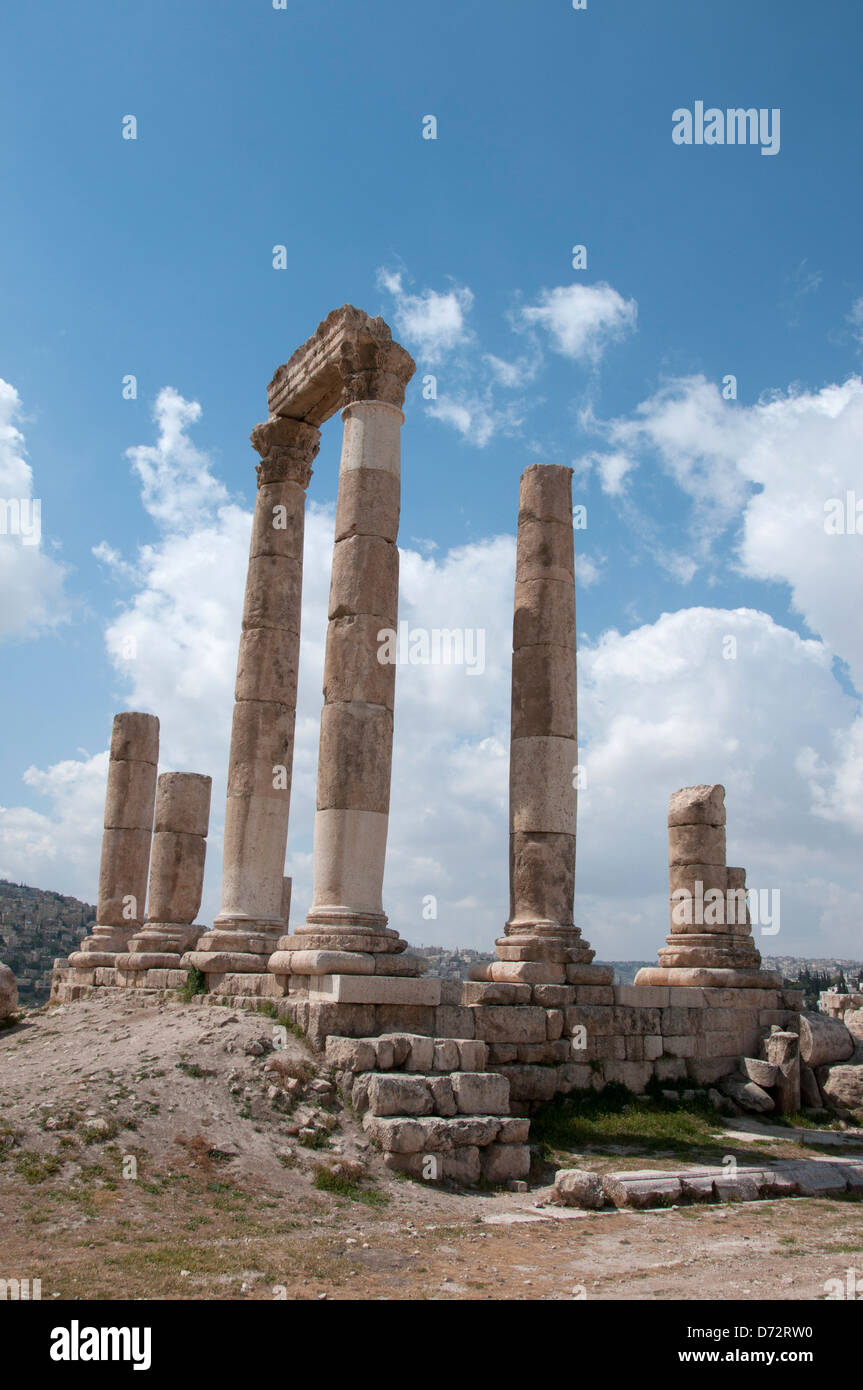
(746, 1094)
(642, 1189)
(762, 1073)
(577, 1187)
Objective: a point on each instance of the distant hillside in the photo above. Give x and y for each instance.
(36, 926)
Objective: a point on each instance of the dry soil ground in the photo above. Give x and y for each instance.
(152, 1151)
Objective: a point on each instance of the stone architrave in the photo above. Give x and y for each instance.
(176, 873)
(129, 804)
(262, 737)
(544, 744)
(710, 943)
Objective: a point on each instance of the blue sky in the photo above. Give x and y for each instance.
(302, 127)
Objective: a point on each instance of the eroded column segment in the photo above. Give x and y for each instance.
(129, 803)
(176, 874)
(710, 943)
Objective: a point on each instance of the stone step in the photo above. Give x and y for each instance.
(411, 1052)
(385, 1094)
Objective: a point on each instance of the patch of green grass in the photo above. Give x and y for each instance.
(319, 1140)
(192, 1069)
(35, 1168)
(590, 1119)
(196, 983)
(343, 1186)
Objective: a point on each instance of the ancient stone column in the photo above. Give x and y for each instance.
(262, 737)
(710, 943)
(541, 941)
(176, 873)
(129, 801)
(355, 757)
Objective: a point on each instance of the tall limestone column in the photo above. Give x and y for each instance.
(176, 876)
(129, 802)
(542, 944)
(262, 737)
(710, 943)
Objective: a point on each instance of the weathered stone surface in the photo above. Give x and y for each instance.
(504, 1162)
(542, 795)
(703, 804)
(543, 691)
(374, 989)
(783, 1051)
(843, 1083)
(747, 1094)
(577, 1187)
(369, 503)
(495, 992)
(353, 771)
(350, 357)
(762, 1073)
(544, 613)
(352, 668)
(498, 1023)
(696, 844)
(545, 494)
(824, 1040)
(365, 579)
(8, 992)
(267, 666)
(480, 1093)
(642, 1189)
(135, 738)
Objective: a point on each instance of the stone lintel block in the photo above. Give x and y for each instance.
(183, 803)
(545, 550)
(595, 994)
(278, 523)
(455, 1021)
(352, 670)
(545, 493)
(544, 612)
(354, 760)
(553, 996)
(267, 666)
(135, 738)
(347, 348)
(365, 579)
(527, 972)
(703, 804)
(645, 996)
(696, 844)
(374, 989)
(369, 503)
(130, 795)
(273, 597)
(590, 974)
(542, 797)
(544, 691)
(503, 1023)
(495, 992)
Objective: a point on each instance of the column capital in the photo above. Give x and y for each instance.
(376, 371)
(288, 449)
